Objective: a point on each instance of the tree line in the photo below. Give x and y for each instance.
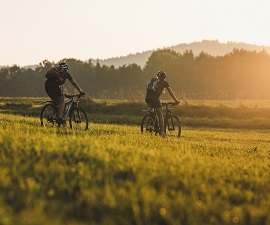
(241, 74)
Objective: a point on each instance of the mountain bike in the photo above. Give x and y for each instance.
(77, 116)
(172, 125)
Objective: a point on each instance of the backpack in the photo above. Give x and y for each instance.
(54, 73)
(151, 86)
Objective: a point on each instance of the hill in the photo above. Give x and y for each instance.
(213, 48)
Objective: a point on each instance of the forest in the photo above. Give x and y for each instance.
(240, 74)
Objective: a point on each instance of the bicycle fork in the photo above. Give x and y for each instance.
(76, 116)
(170, 122)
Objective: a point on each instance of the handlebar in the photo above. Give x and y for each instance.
(169, 103)
(74, 95)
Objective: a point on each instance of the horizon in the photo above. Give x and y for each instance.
(130, 54)
(87, 29)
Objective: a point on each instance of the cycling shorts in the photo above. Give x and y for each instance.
(53, 89)
(153, 102)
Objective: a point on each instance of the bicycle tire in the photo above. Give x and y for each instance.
(48, 115)
(148, 124)
(172, 125)
(78, 119)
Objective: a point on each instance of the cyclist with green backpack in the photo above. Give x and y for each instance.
(154, 90)
(56, 77)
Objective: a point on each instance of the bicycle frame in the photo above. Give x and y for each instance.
(166, 113)
(76, 114)
(68, 106)
(171, 122)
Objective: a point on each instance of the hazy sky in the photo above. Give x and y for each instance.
(34, 30)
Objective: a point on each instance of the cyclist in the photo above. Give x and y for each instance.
(154, 90)
(55, 90)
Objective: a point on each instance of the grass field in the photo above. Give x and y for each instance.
(111, 174)
(244, 114)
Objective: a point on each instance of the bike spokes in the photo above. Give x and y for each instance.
(172, 126)
(48, 115)
(79, 119)
(148, 125)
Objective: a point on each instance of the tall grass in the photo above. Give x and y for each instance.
(253, 114)
(112, 174)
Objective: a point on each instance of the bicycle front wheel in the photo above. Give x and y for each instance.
(78, 119)
(48, 115)
(172, 126)
(148, 124)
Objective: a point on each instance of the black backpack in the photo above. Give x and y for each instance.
(151, 86)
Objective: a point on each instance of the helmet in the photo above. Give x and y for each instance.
(161, 74)
(63, 65)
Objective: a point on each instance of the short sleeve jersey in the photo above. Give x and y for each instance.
(159, 85)
(66, 75)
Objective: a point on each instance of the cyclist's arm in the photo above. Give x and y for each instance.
(75, 84)
(172, 94)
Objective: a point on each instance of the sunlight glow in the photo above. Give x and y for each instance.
(86, 29)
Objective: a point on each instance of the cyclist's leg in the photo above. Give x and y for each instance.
(161, 121)
(155, 103)
(55, 92)
(61, 102)
(160, 117)
(50, 88)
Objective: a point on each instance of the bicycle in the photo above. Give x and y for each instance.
(78, 119)
(172, 125)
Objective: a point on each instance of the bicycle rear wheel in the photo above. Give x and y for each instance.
(172, 126)
(78, 119)
(148, 124)
(48, 115)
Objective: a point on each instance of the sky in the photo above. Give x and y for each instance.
(37, 30)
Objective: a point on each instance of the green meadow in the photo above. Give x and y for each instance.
(216, 173)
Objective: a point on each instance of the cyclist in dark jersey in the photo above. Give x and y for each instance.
(153, 97)
(55, 90)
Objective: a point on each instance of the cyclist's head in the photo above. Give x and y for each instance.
(63, 65)
(161, 74)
